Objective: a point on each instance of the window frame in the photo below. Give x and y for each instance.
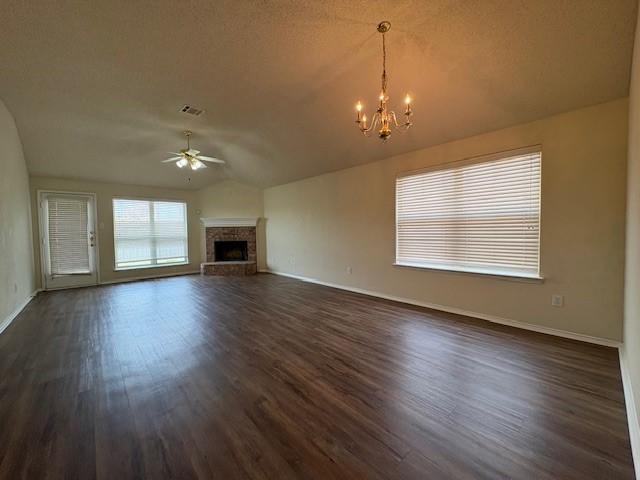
(116, 268)
(484, 272)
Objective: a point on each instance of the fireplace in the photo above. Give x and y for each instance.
(230, 251)
(230, 246)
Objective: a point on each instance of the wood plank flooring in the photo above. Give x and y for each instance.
(267, 377)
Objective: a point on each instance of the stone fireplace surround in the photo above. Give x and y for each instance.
(229, 229)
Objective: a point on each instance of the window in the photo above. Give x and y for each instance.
(149, 233)
(480, 215)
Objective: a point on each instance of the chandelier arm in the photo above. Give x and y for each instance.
(406, 124)
(363, 126)
(394, 118)
(376, 118)
(374, 123)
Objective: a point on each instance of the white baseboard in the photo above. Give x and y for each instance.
(124, 280)
(7, 321)
(148, 277)
(632, 411)
(444, 308)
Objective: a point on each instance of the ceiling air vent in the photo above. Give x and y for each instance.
(191, 110)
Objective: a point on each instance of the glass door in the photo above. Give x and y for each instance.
(68, 239)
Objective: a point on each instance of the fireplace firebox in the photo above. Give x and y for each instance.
(230, 251)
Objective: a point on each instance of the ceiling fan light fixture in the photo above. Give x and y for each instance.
(196, 164)
(190, 157)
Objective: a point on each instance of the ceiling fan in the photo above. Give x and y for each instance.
(191, 157)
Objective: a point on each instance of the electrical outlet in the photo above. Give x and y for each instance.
(349, 270)
(557, 300)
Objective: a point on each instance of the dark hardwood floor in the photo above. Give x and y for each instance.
(266, 377)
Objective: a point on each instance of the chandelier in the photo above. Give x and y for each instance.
(382, 116)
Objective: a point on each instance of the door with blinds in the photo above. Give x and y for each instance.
(68, 239)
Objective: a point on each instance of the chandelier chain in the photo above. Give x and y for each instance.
(384, 64)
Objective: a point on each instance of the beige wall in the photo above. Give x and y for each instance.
(16, 261)
(105, 192)
(230, 199)
(631, 350)
(320, 226)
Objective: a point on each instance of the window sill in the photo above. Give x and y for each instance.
(485, 273)
(145, 267)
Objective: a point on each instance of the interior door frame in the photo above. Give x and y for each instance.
(41, 239)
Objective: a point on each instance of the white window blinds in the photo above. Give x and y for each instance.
(478, 216)
(149, 233)
(68, 235)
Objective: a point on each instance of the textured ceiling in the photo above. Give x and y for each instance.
(95, 87)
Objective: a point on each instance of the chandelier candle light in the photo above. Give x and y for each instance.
(383, 117)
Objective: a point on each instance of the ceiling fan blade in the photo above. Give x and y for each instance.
(175, 153)
(204, 158)
(172, 159)
(192, 152)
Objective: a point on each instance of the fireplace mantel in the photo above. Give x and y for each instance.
(229, 222)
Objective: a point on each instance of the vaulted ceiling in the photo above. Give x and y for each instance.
(96, 87)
